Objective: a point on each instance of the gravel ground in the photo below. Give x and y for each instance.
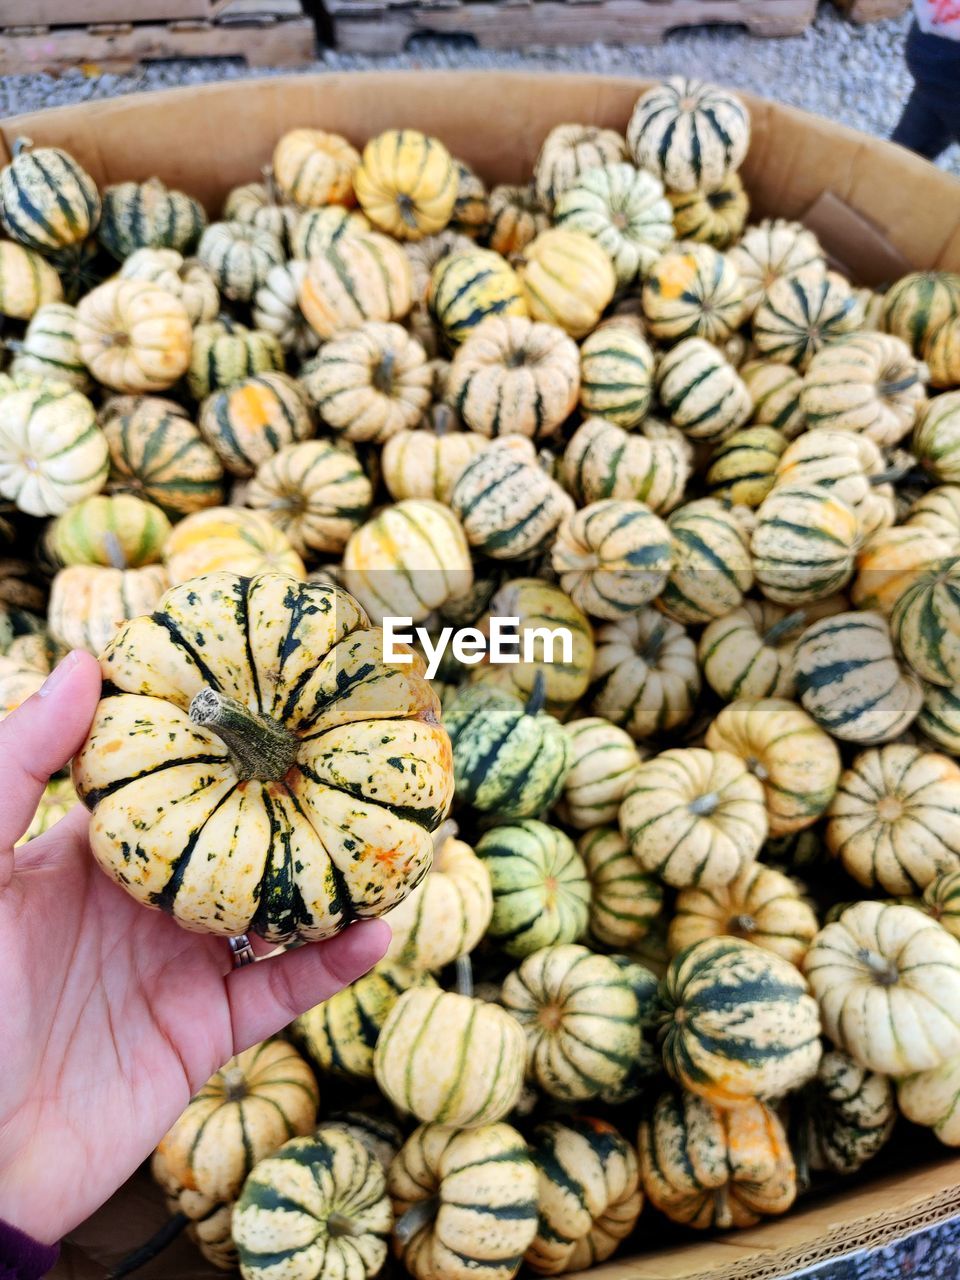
(852, 74)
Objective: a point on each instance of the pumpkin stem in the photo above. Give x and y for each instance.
(383, 374)
(338, 1224)
(234, 1084)
(271, 184)
(654, 643)
(111, 544)
(407, 209)
(464, 966)
(260, 746)
(899, 384)
(704, 805)
(148, 1251)
(21, 145)
(890, 476)
(757, 768)
(417, 1217)
(537, 696)
(742, 924)
(884, 972)
(792, 622)
(447, 830)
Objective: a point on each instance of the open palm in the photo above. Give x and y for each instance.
(111, 1016)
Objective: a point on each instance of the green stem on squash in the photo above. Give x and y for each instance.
(447, 830)
(338, 1224)
(383, 373)
(901, 384)
(464, 966)
(111, 544)
(792, 622)
(883, 971)
(260, 746)
(151, 1248)
(654, 643)
(743, 924)
(417, 1217)
(21, 146)
(704, 805)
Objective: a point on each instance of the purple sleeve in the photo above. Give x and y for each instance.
(23, 1258)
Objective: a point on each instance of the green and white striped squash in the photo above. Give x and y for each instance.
(602, 757)
(651, 464)
(156, 453)
(239, 257)
(52, 453)
(748, 653)
(743, 467)
(715, 217)
(693, 292)
(850, 680)
(48, 200)
(118, 529)
(689, 132)
(49, 348)
(624, 900)
(706, 1166)
(449, 1058)
(317, 1209)
(315, 230)
(936, 440)
(941, 900)
(932, 1098)
(942, 355)
(694, 817)
(186, 278)
(918, 304)
(508, 505)
(648, 1062)
(869, 383)
(580, 1018)
(541, 893)
(939, 717)
(225, 351)
(925, 622)
(276, 309)
(465, 1201)
(624, 210)
(249, 421)
(359, 277)
(937, 510)
(340, 1035)
(570, 150)
(711, 570)
(428, 461)
(467, 287)
(645, 674)
(804, 544)
(775, 392)
(616, 374)
(892, 560)
(612, 556)
(259, 204)
(471, 210)
(701, 391)
(741, 1023)
(847, 1115)
(804, 312)
(773, 249)
(27, 281)
(149, 215)
(589, 1194)
(382, 1138)
(849, 465)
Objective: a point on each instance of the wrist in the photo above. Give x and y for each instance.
(27, 1211)
(24, 1256)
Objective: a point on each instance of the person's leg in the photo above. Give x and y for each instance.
(922, 128)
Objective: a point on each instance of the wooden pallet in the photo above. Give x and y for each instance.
(115, 47)
(386, 26)
(872, 10)
(85, 13)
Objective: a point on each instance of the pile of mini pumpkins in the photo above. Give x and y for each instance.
(698, 931)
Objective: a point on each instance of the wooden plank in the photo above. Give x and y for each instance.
(872, 10)
(81, 13)
(554, 22)
(277, 44)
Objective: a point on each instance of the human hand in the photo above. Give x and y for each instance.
(111, 1016)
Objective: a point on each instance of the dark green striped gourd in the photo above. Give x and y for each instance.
(926, 623)
(49, 347)
(801, 313)
(581, 1019)
(317, 1208)
(624, 900)
(249, 421)
(939, 717)
(775, 391)
(936, 440)
(239, 257)
(701, 391)
(158, 454)
(616, 373)
(541, 893)
(650, 464)
(645, 674)
(804, 544)
(612, 557)
(741, 1025)
(743, 467)
(690, 132)
(341, 1034)
(109, 529)
(48, 201)
(711, 562)
(467, 287)
(509, 758)
(602, 758)
(648, 1063)
(920, 303)
(225, 351)
(847, 1114)
(149, 215)
(941, 899)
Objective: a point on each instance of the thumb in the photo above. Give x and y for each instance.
(38, 739)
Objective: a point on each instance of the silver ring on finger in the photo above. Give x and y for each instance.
(241, 950)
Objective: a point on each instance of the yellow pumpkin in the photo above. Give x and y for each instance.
(406, 183)
(942, 355)
(313, 168)
(360, 277)
(27, 281)
(428, 462)
(247, 422)
(467, 286)
(694, 293)
(90, 603)
(133, 336)
(567, 280)
(228, 538)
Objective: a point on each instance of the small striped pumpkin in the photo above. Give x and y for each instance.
(249, 421)
(887, 979)
(645, 674)
(893, 559)
(514, 376)
(798, 764)
(381, 1137)
(941, 900)
(693, 134)
(895, 820)
(570, 150)
(804, 312)
(804, 544)
(772, 250)
(276, 309)
(624, 210)
(159, 455)
(541, 893)
(27, 281)
(428, 462)
(941, 355)
(849, 465)
(148, 215)
(90, 603)
(317, 1208)
(869, 383)
(705, 1166)
(847, 1114)
(52, 453)
(228, 538)
(743, 467)
(509, 758)
(465, 1202)
(239, 257)
(612, 557)
(849, 679)
(517, 216)
(931, 1098)
(48, 200)
(340, 1035)
(49, 348)
(939, 717)
(406, 184)
(312, 168)
(261, 205)
(119, 530)
(225, 351)
(937, 510)
(133, 336)
(360, 277)
(936, 440)
(315, 230)
(509, 507)
(711, 569)
(580, 1018)
(624, 900)
(471, 212)
(316, 493)
(186, 278)
(449, 1058)
(918, 304)
(694, 817)
(468, 286)
(762, 906)
(925, 622)
(748, 653)
(715, 217)
(775, 393)
(616, 375)
(741, 1023)
(566, 279)
(601, 760)
(701, 391)
(693, 293)
(650, 465)
(589, 1194)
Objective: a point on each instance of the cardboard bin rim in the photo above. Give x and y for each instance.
(861, 190)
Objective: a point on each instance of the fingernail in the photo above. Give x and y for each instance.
(59, 674)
